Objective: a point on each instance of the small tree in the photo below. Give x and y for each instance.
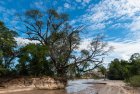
(103, 70)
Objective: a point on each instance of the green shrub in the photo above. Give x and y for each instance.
(135, 81)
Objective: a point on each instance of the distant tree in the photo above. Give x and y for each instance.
(135, 64)
(103, 70)
(52, 30)
(134, 69)
(7, 47)
(118, 70)
(135, 56)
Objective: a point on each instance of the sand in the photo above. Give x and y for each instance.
(116, 87)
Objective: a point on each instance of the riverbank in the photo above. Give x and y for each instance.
(18, 84)
(33, 83)
(82, 86)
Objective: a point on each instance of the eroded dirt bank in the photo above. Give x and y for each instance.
(30, 83)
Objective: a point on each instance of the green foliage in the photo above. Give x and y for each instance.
(121, 69)
(33, 61)
(135, 64)
(118, 70)
(135, 81)
(2, 70)
(7, 48)
(103, 70)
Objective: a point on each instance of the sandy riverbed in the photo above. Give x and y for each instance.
(116, 87)
(111, 87)
(82, 87)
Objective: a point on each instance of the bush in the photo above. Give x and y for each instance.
(135, 81)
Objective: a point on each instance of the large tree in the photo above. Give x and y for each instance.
(7, 47)
(52, 29)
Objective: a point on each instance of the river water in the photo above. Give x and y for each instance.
(74, 87)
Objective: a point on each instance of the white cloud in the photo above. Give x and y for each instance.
(122, 50)
(135, 26)
(23, 41)
(84, 44)
(98, 17)
(66, 5)
(116, 10)
(125, 50)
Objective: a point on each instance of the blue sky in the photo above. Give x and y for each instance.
(119, 20)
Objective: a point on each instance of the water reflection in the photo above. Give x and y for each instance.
(74, 86)
(78, 85)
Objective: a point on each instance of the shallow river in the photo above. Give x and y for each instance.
(74, 87)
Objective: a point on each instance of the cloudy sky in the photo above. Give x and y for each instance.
(119, 20)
